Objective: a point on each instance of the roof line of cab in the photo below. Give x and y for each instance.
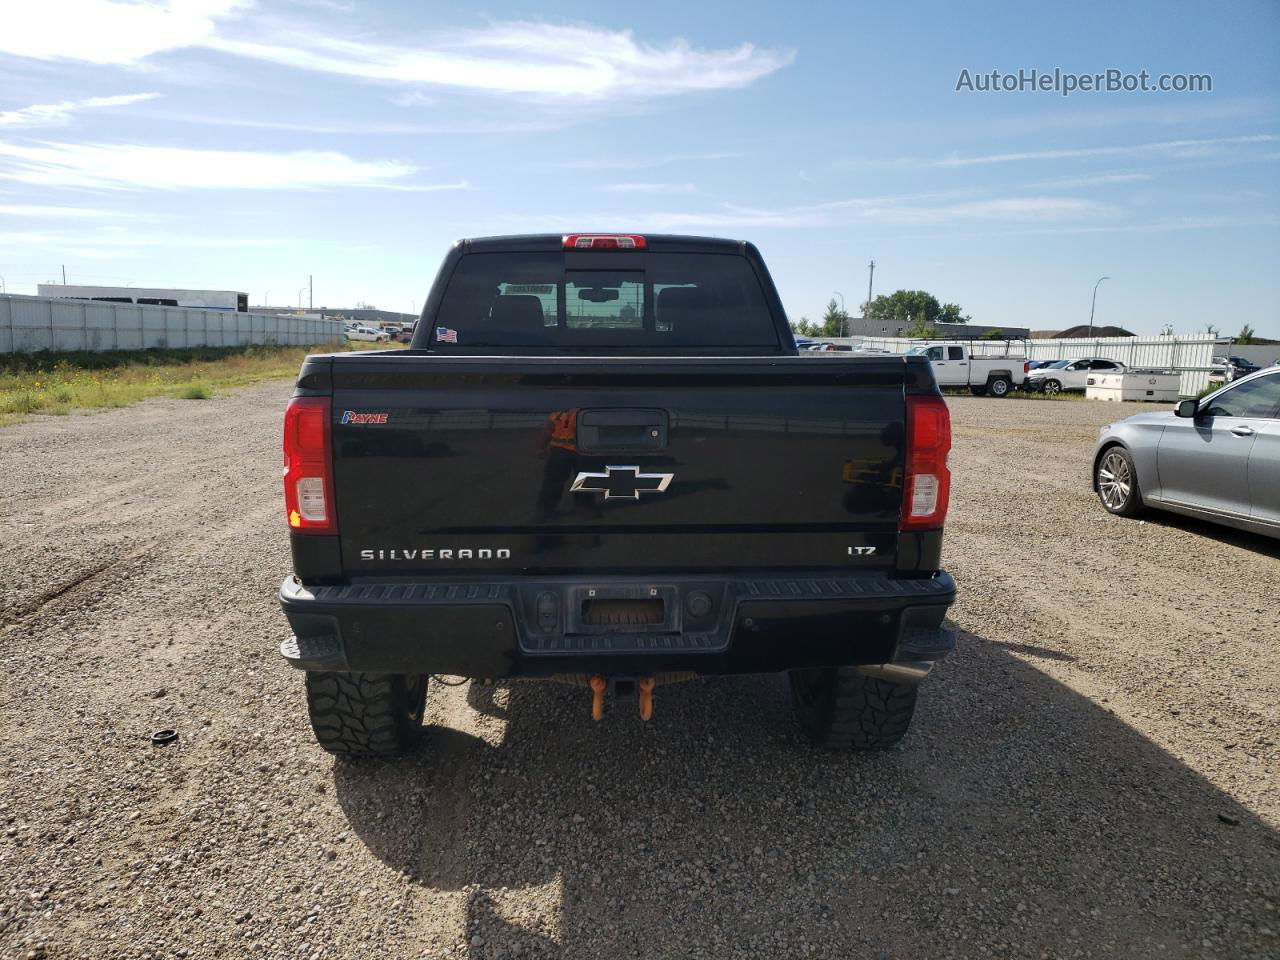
(655, 242)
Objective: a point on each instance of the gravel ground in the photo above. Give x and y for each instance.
(1093, 774)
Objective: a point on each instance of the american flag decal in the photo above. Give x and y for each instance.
(445, 335)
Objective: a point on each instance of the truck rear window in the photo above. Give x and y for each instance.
(531, 300)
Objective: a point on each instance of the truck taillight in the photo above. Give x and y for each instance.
(1026, 366)
(927, 485)
(308, 466)
(604, 241)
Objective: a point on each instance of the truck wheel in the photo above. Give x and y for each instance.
(366, 714)
(1052, 387)
(999, 386)
(1116, 480)
(842, 709)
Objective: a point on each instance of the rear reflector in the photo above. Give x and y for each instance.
(927, 486)
(308, 466)
(601, 241)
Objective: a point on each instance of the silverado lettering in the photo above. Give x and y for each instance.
(465, 553)
(651, 484)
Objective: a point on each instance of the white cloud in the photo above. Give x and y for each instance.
(1008, 208)
(651, 188)
(1102, 179)
(833, 214)
(106, 31)
(59, 114)
(343, 128)
(540, 59)
(127, 166)
(626, 162)
(40, 211)
(116, 242)
(1175, 148)
(427, 187)
(553, 61)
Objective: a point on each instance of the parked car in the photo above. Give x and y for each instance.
(1070, 374)
(632, 491)
(361, 332)
(804, 343)
(954, 365)
(405, 335)
(1233, 368)
(1217, 458)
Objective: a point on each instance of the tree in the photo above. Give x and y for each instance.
(1211, 330)
(921, 328)
(905, 306)
(805, 327)
(1246, 335)
(834, 321)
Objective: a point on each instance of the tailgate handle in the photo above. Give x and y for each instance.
(609, 431)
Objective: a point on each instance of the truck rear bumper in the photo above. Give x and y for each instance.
(620, 625)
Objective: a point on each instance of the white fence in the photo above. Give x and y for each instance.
(1190, 356)
(46, 323)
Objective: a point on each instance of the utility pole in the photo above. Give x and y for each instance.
(870, 278)
(1094, 303)
(311, 292)
(64, 274)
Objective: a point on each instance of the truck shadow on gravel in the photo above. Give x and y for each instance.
(1018, 817)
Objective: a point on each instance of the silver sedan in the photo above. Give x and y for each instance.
(1217, 458)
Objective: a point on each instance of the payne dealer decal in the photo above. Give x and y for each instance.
(350, 416)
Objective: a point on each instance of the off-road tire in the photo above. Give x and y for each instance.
(366, 714)
(842, 709)
(999, 386)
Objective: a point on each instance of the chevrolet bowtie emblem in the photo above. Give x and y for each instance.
(621, 483)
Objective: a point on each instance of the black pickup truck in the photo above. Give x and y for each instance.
(613, 468)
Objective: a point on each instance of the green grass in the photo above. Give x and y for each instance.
(194, 391)
(1022, 394)
(50, 382)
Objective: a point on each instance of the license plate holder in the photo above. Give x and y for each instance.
(622, 608)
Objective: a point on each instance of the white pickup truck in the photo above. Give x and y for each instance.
(954, 366)
(360, 332)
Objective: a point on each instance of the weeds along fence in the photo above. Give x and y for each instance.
(28, 324)
(1192, 357)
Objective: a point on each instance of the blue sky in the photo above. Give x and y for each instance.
(246, 145)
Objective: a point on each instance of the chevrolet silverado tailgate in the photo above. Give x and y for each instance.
(446, 464)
